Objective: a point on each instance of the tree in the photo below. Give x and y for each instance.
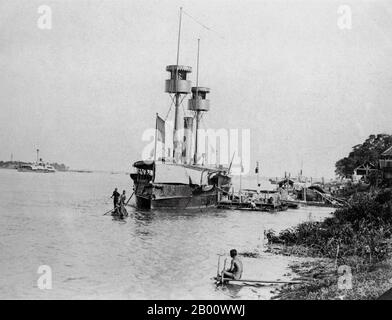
(369, 151)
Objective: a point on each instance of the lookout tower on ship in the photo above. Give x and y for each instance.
(178, 86)
(198, 104)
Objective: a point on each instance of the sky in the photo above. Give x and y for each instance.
(86, 90)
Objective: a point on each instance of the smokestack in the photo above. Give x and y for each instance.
(188, 135)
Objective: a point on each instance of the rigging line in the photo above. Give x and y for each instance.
(182, 99)
(203, 25)
(168, 112)
(183, 109)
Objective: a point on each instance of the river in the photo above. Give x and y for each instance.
(57, 220)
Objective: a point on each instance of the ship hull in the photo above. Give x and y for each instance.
(192, 202)
(172, 186)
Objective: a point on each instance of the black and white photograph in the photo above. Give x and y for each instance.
(217, 151)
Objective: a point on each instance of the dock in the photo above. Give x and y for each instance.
(251, 206)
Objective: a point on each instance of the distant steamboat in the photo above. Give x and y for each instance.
(39, 166)
(180, 181)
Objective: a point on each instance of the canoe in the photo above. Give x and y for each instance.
(252, 281)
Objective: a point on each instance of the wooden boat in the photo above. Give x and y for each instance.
(252, 282)
(221, 280)
(292, 204)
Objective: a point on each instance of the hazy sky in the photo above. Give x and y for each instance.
(85, 91)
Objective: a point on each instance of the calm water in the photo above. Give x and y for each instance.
(57, 220)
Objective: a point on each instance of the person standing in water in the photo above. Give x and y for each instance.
(235, 271)
(123, 198)
(115, 196)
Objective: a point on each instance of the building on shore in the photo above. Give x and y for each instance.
(362, 172)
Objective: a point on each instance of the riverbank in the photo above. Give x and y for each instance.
(325, 280)
(350, 251)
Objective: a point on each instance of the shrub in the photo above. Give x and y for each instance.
(361, 229)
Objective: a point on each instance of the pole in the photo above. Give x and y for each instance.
(218, 267)
(195, 158)
(197, 66)
(156, 130)
(176, 138)
(197, 102)
(179, 38)
(265, 281)
(223, 271)
(241, 186)
(130, 197)
(231, 162)
(241, 169)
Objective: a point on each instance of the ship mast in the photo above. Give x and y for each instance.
(197, 96)
(198, 103)
(178, 85)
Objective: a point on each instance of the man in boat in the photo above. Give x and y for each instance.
(122, 210)
(235, 271)
(115, 196)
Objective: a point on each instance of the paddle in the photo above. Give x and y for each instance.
(265, 281)
(130, 197)
(110, 210)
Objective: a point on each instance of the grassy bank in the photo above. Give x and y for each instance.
(358, 236)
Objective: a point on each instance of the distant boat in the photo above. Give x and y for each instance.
(40, 167)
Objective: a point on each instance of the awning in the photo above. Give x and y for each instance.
(146, 165)
(172, 173)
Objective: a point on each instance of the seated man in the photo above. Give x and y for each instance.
(235, 271)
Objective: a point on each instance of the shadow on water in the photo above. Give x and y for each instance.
(120, 219)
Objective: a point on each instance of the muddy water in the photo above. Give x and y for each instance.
(57, 220)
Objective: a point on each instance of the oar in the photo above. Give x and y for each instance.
(217, 271)
(265, 281)
(130, 197)
(110, 210)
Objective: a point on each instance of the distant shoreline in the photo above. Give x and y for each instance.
(13, 165)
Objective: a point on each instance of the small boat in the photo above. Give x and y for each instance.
(221, 280)
(291, 204)
(252, 282)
